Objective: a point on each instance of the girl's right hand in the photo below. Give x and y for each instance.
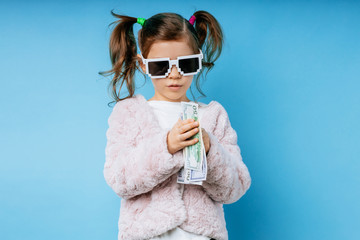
(178, 135)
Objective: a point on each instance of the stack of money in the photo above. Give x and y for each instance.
(195, 167)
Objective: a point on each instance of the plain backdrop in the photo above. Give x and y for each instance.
(288, 78)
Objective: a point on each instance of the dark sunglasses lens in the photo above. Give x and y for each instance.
(189, 65)
(158, 68)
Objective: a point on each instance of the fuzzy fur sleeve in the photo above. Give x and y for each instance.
(137, 158)
(228, 177)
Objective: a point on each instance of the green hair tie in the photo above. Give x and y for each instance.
(141, 21)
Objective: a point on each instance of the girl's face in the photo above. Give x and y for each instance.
(171, 49)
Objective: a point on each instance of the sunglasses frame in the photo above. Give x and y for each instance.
(171, 63)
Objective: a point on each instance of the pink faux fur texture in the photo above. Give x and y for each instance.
(143, 173)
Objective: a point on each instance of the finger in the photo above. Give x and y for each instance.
(188, 126)
(186, 121)
(189, 134)
(190, 142)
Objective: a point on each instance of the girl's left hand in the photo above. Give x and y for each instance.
(206, 140)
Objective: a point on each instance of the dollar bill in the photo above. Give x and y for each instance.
(193, 154)
(189, 176)
(195, 167)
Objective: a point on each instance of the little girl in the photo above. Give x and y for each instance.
(146, 138)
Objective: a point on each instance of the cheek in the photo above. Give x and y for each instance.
(162, 85)
(158, 84)
(189, 81)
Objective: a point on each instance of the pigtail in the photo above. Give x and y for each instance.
(210, 35)
(123, 51)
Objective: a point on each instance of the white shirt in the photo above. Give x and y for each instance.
(168, 113)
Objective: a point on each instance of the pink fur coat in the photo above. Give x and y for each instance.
(143, 173)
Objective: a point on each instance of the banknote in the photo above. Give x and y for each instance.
(193, 154)
(195, 164)
(189, 176)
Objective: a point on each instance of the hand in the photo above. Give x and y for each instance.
(178, 135)
(206, 140)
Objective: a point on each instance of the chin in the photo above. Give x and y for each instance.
(174, 97)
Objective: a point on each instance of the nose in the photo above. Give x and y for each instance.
(174, 72)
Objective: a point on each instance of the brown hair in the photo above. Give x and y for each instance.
(206, 34)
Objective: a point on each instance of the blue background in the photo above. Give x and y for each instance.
(288, 77)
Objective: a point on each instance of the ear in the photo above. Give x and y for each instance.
(142, 65)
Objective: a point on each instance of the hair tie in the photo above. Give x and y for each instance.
(141, 21)
(192, 20)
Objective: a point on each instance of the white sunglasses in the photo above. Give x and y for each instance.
(161, 67)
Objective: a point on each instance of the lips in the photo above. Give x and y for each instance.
(174, 87)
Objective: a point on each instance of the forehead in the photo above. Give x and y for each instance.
(171, 49)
